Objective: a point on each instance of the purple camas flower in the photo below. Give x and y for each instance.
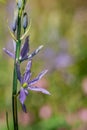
(24, 54)
(63, 60)
(24, 50)
(26, 83)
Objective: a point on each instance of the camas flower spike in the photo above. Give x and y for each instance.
(26, 83)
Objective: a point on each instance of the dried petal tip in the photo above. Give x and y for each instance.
(40, 47)
(35, 52)
(25, 20)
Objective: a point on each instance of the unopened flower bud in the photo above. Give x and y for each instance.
(19, 3)
(14, 25)
(25, 20)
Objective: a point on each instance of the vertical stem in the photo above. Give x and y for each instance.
(14, 93)
(14, 99)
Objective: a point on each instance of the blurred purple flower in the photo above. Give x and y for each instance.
(26, 83)
(24, 50)
(63, 60)
(57, 60)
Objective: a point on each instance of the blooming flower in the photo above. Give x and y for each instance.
(24, 50)
(24, 54)
(26, 83)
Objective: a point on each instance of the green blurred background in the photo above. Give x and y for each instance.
(61, 26)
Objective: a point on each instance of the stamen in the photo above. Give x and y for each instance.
(25, 85)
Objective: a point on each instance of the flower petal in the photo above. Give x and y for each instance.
(25, 48)
(24, 108)
(18, 73)
(22, 96)
(14, 45)
(38, 77)
(39, 90)
(27, 73)
(26, 92)
(35, 52)
(9, 53)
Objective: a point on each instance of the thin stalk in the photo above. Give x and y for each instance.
(14, 93)
(7, 120)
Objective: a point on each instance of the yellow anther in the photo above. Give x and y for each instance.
(25, 85)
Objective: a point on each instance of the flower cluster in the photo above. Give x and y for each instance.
(25, 82)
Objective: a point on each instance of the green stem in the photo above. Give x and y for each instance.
(7, 120)
(14, 99)
(14, 93)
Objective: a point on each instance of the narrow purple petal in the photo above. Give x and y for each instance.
(39, 90)
(24, 108)
(25, 48)
(18, 73)
(26, 92)
(22, 96)
(9, 53)
(27, 73)
(14, 45)
(38, 77)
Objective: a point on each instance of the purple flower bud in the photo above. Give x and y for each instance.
(25, 20)
(14, 25)
(19, 3)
